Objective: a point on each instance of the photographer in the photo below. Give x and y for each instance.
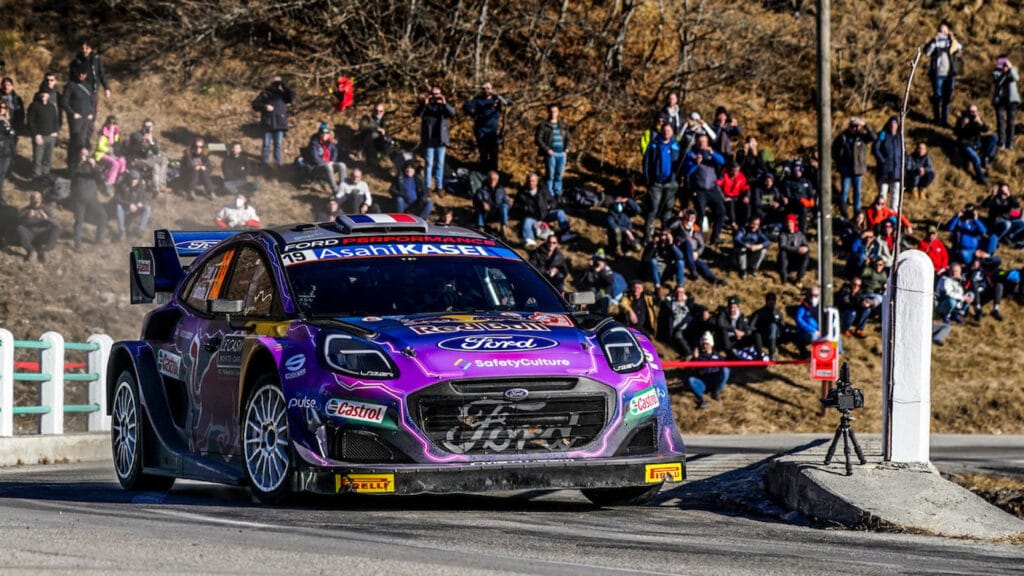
(144, 155)
(979, 147)
(662, 249)
(1004, 217)
(434, 112)
(943, 67)
(850, 153)
(700, 166)
(967, 231)
(272, 104)
(486, 110)
(1005, 99)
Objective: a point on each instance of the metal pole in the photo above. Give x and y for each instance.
(824, 151)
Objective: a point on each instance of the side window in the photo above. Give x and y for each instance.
(210, 280)
(252, 283)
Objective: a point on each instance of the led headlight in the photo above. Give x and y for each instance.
(622, 350)
(355, 357)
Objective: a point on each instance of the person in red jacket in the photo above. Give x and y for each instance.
(879, 212)
(736, 192)
(935, 249)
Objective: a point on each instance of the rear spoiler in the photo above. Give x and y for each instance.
(155, 271)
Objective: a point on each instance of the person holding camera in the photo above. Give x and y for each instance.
(662, 249)
(978, 146)
(1004, 217)
(1005, 99)
(272, 104)
(434, 113)
(145, 156)
(967, 231)
(486, 110)
(943, 66)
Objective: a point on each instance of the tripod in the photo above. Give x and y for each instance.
(846, 431)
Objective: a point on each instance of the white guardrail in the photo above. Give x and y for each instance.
(52, 371)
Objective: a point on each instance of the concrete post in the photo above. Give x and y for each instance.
(99, 421)
(51, 362)
(6, 383)
(906, 359)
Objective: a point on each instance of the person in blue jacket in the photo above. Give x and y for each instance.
(806, 316)
(967, 232)
(661, 161)
(888, 151)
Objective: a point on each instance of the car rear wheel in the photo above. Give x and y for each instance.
(266, 445)
(629, 496)
(126, 438)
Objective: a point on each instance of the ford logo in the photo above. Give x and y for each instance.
(510, 343)
(516, 394)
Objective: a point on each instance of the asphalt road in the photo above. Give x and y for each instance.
(75, 519)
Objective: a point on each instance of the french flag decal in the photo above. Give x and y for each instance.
(382, 219)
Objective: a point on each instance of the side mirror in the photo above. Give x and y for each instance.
(224, 306)
(582, 298)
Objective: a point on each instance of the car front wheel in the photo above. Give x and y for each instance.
(126, 438)
(629, 496)
(266, 445)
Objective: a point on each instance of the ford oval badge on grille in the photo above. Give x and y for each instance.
(516, 394)
(500, 343)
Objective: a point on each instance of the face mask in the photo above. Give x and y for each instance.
(814, 301)
(239, 203)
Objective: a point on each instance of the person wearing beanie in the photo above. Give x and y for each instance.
(323, 158)
(708, 377)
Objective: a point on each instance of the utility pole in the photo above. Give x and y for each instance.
(825, 152)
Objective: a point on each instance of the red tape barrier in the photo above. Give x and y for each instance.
(34, 366)
(729, 363)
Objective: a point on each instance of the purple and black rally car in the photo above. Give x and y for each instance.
(378, 354)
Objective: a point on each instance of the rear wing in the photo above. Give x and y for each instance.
(155, 271)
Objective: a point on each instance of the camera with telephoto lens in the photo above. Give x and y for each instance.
(844, 397)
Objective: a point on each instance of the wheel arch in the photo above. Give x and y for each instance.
(134, 356)
(259, 360)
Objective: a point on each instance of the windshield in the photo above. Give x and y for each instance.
(418, 285)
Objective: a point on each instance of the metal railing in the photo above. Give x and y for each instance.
(50, 373)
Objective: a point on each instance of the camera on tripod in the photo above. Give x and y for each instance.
(844, 397)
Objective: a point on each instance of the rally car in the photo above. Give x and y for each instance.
(379, 354)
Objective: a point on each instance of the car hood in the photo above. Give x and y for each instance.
(482, 344)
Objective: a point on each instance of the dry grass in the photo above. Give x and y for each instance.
(1006, 493)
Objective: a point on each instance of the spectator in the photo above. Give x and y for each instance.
(694, 127)
(687, 235)
(373, 135)
(553, 143)
(670, 112)
(536, 205)
(661, 250)
(967, 232)
(145, 156)
(952, 300)
(936, 250)
(714, 377)
(767, 321)
(878, 213)
(195, 169)
(661, 161)
(700, 167)
(984, 285)
(607, 285)
(620, 225)
(980, 148)
(920, 171)
(355, 197)
(753, 162)
(850, 153)
(638, 309)
(794, 251)
(130, 204)
(238, 214)
(37, 228)
(85, 203)
(410, 193)
(676, 317)
(15, 105)
(486, 110)
(490, 200)
(1004, 217)
(8, 146)
(49, 85)
(888, 149)
(434, 113)
(726, 130)
(750, 246)
(737, 338)
(874, 280)
(77, 103)
(854, 308)
(877, 246)
(87, 59)
(806, 316)
(652, 134)
(323, 158)
(235, 169)
(798, 194)
(944, 53)
(1005, 99)
(550, 262)
(766, 201)
(107, 152)
(736, 194)
(330, 211)
(272, 104)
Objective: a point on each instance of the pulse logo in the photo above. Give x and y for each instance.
(463, 363)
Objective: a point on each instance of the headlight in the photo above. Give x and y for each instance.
(622, 350)
(358, 358)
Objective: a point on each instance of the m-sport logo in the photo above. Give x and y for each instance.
(510, 343)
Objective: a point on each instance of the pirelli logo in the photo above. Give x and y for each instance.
(668, 472)
(365, 483)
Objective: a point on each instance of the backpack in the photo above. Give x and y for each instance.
(583, 198)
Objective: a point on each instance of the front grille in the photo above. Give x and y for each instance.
(361, 447)
(643, 440)
(554, 417)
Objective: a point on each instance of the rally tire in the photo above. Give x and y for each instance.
(628, 496)
(127, 429)
(266, 445)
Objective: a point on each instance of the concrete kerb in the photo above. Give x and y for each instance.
(883, 496)
(51, 449)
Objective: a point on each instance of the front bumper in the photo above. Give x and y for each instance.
(489, 477)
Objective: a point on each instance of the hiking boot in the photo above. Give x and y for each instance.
(958, 318)
(29, 255)
(531, 244)
(995, 313)
(702, 404)
(42, 257)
